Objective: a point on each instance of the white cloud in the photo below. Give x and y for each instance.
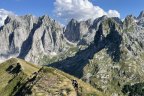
(113, 13)
(80, 10)
(3, 15)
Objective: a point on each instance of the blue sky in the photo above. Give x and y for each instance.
(124, 7)
(22, 7)
(41, 7)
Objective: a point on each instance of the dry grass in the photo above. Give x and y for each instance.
(48, 81)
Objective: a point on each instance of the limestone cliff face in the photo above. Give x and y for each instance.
(37, 38)
(28, 37)
(76, 30)
(83, 32)
(141, 15)
(14, 33)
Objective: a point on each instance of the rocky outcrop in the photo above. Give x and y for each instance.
(129, 22)
(13, 34)
(45, 37)
(37, 38)
(29, 37)
(76, 30)
(141, 19)
(141, 15)
(83, 32)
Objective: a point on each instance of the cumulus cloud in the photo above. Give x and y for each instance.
(3, 15)
(113, 13)
(80, 10)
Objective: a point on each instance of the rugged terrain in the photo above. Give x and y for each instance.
(21, 78)
(108, 53)
(114, 60)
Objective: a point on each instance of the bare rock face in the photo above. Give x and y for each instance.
(29, 37)
(129, 22)
(45, 37)
(32, 38)
(13, 34)
(141, 19)
(83, 32)
(76, 30)
(141, 15)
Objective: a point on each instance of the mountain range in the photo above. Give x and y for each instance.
(107, 53)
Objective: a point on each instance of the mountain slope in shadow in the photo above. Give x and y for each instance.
(111, 41)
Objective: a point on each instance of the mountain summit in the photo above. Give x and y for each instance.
(141, 15)
(107, 53)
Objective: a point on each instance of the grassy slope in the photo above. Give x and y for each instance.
(10, 81)
(54, 82)
(48, 81)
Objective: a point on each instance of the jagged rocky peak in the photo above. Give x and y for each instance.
(104, 17)
(129, 21)
(29, 21)
(45, 38)
(29, 18)
(140, 19)
(45, 18)
(27, 35)
(83, 32)
(26, 21)
(109, 24)
(73, 21)
(89, 22)
(7, 20)
(108, 29)
(75, 30)
(11, 18)
(48, 21)
(118, 20)
(141, 15)
(72, 32)
(97, 21)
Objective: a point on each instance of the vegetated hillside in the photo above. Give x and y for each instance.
(21, 78)
(114, 60)
(13, 74)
